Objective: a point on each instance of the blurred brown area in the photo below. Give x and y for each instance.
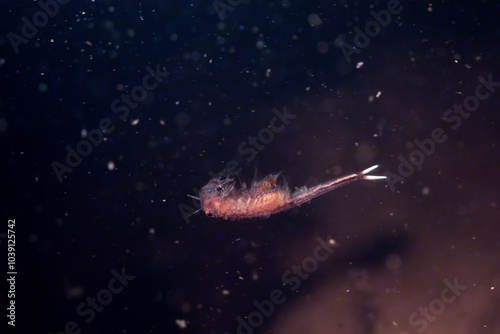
(398, 249)
(447, 239)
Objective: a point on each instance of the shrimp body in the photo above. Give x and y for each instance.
(220, 198)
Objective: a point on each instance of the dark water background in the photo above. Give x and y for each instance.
(124, 205)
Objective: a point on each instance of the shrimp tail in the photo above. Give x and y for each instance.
(363, 175)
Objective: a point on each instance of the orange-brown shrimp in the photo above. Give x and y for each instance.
(220, 198)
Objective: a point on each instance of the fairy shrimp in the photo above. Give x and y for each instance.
(221, 199)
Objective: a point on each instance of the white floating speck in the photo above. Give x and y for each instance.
(181, 323)
(359, 64)
(314, 20)
(135, 122)
(111, 165)
(260, 44)
(426, 190)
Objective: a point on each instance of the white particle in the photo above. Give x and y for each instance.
(426, 190)
(181, 323)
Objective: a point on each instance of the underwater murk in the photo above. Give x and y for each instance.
(112, 111)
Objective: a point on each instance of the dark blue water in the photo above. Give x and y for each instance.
(112, 112)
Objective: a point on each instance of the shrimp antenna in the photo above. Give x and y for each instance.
(195, 212)
(194, 197)
(371, 177)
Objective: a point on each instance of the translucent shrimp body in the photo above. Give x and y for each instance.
(221, 199)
